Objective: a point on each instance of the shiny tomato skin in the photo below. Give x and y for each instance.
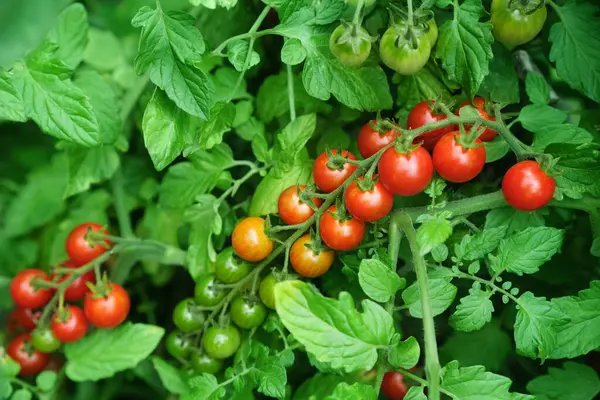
(247, 313)
(23, 293)
(341, 235)
(399, 54)
(78, 288)
(221, 342)
(328, 179)
(393, 386)
(344, 52)
(71, 329)
(526, 187)
(31, 364)
(422, 114)
(370, 141)
(454, 163)
(79, 249)
(405, 174)
(267, 291)
(291, 210)
(479, 104)
(513, 28)
(250, 241)
(368, 205)
(26, 318)
(110, 310)
(308, 263)
(44, 340)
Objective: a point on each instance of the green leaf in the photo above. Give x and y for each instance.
(358, 391)
(264, 200)
(292, 52)
(11, 105)
(46, 380)
(415, 393)
(204, 387)
(212, 4)
(59, 107)
(560, 134)
(434, 231)
(88, 166)
(479, 245)
(237, 51)
(406, 354)
(537, 117)
(573, 382)
(170, 47)
(105, 352)
(473, 312)
(205, 222)
(104, 51)
(465, 46)
(22, 394)
(495, 150)
(501, 85)
(378, 281)
(441, 296)
(210, 133)
(514, 220)
(537, 88)
(172, 378)
(333, 330)
(70, 33)
(476, 383)
(319, 386)
(579, 171)
(576, 47)
(291, 141)
(307, 12)
(526, 251)
(535, 325)
(272, 378)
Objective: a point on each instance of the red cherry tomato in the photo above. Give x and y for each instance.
(291, 210)
(24, 294)
(341, 235)
(393, 386)
(25, 318)
(328, 179)
(80, 250)
(405, 174)
(308, 263)
(454, 163)
(526, 187)
(479, 104)
(71, 329)
(107, 311)
(368, 205)
(422, 114)
(370, 141)
(78, 288)
(250, 241)
(32, 362)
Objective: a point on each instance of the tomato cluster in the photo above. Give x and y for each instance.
(106, 306)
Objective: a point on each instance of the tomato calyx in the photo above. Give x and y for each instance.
(337, 161)
(354, 35)
(316, 245)
(525, 7)
(469, 140)
(101, 289)
(307, 195)
(96, 238)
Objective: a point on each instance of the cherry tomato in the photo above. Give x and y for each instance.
(203, 364)
(178, 345)
(516, 25)
(250, 241)
(248, 313)
(107, 311)
(32, 362)
(422, 114)
(349, 45)
(432, 32)
(267, 291)
(371, 141)
(526, 187)
(329, 176)
(80, 249)
(26, 318)
(229, 268)
(404, 53)
(479, 104)
(44, 340)
(220, 342)
(455, 163)
(186, 317)
(368, 205)
(206, 293)
(293, 211)
(308, 263)
(78, 288)
(71, 326)
(405, 174)
(24, 294)
(393, 386)
(342, 235)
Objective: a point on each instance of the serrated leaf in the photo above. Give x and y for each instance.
(537, 88)
(237, 52)
(514, 220)
(573, 382)
(433, 232)
(406, 354)
(210, 133)
(473, 312)
(358, 391)
(560, 134)
(272, 378)
(441, 296)
(11, 105)
(333, 330)
(481, 244)
(88, 166)
(292, 52)
(204, 387)
(70, 33)
(537, 117)
(171, 378)
(501, 85)
(378, 281)
(291, 141)
(579, 170)
(105, 352)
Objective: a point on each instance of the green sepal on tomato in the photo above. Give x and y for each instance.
(32, 362)
(371, 138)
(458, 159)
(69, 324)
(340, 231)
(108, 307)
(404, 49)
(308, 261)
(484, 109)
(405, 172)
(424, 113)
(368, 201)
(517, 22)
(350, 44)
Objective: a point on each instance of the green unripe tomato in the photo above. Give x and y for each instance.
(202, 363)
(248, 313)
(186, 318)
(43, 340)
(205, 292)
(267, 291)
(404, 55)
(178, 345)
(220, 342)
(350, 48)
(513, 27)
(432, 34)
(229, 268)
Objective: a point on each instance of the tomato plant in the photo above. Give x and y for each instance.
(298, 199)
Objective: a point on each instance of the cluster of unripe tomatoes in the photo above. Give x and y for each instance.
(105, 304)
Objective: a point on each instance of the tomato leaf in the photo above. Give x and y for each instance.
(358, 391)
(574, 380)
(292, 52)
(172, 378)
(378, 281)
(406, 354)
(513, 220)
(433, 231)
(501, 85)
(559, 134)
(473, 312)
(579, 170)
(237, 51)
(537, 88)
(88, 166)
(441, 295)
(536, 117)
(70, 33)
(479, 245)
(11, 105)
(204, 387)
(415, 393)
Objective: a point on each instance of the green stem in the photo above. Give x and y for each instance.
(422, 381)
(359, 6)
(119, 204)
(411, 21)
(25, 385)
(253, 33)
(290, 82)
(432, 363)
